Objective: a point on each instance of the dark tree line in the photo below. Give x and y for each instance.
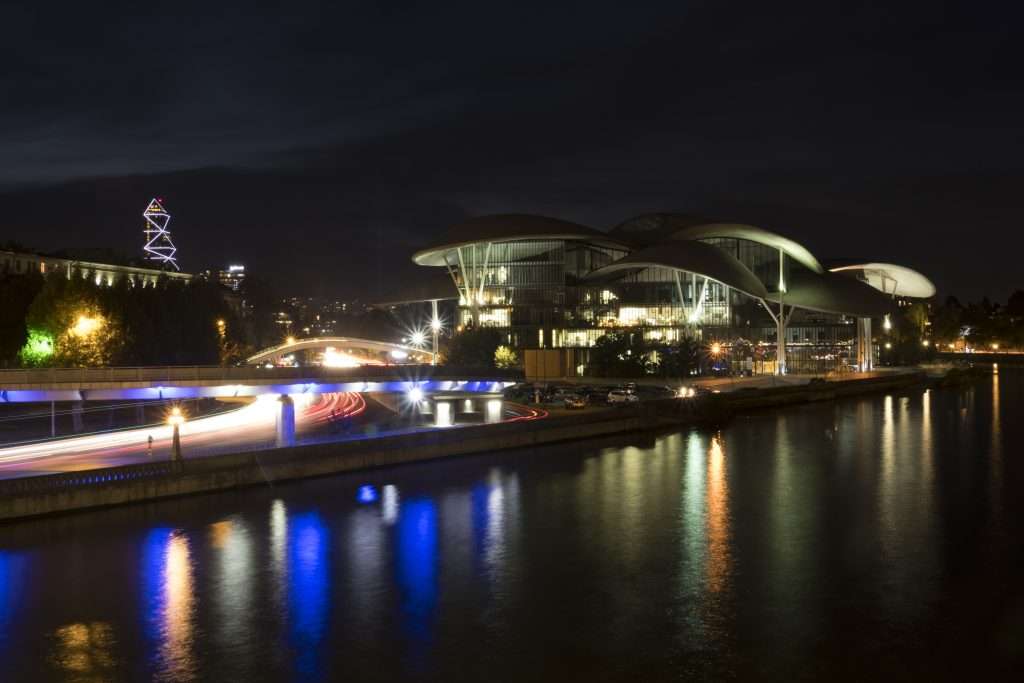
(61, 322)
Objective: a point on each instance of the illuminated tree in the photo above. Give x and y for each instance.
(505, 357)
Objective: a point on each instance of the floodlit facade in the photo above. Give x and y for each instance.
(548, 283)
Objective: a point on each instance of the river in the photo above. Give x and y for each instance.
(871, 538)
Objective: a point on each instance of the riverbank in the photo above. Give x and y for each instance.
(51, 494)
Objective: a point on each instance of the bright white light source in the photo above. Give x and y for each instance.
(418, 338)
(435, 325)
(398, 354)
(415, 395)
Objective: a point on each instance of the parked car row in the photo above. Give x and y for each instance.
(577, 396)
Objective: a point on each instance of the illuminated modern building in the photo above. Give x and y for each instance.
(233, 277)
(548, 283)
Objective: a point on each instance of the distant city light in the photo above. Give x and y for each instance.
(888, 345)
(924, 343)
(398, 354)
(716, 349)
(418, 338)
(886, 323)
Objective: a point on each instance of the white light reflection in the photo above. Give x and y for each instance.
(389, 504)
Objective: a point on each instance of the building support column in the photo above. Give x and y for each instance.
(865, 352)
(495, 408)
(140, 413)
(286, 422)
(443, 416)
(176, 442)
(435, 327)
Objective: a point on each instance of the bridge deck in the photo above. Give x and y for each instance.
(77, 384)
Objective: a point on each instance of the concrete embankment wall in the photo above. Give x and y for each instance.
(41, 495)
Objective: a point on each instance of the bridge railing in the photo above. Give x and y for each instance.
(200, 373)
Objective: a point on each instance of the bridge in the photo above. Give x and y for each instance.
(346, 352)
(182, 382)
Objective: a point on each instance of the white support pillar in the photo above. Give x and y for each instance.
(435, 328)
(780, 347)
(286, 422)
(865, 352)
(495, 407)
(443, 414)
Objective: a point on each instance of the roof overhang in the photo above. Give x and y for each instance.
(890, 278)
(791, 248)
(831, 293)
(508, 228)
(694, 257)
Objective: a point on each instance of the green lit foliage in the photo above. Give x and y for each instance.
(38, 349)
(505, 358)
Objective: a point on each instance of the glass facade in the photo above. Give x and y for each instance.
(538, 293)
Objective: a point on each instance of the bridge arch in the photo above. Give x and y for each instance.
(372, 351)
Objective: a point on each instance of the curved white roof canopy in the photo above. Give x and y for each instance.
(791, 248)
(891, 279)
(703, 259)
(508, 228)
(831, 293)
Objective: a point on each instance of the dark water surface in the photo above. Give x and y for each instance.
(873, 538)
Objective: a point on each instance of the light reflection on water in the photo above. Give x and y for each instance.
(811, 537)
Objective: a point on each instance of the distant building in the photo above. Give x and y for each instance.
(21, 263)
(233, 277)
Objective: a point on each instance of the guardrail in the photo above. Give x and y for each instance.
(214, 373)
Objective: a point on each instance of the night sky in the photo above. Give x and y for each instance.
(320, 145)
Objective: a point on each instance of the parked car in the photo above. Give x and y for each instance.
(574, 401)
(621, 396)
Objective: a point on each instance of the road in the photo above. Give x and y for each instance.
(251, 425)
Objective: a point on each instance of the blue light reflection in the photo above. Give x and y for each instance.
(417, 563)
(307, 589)
(367, 494)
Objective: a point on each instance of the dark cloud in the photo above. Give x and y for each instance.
(321, 144)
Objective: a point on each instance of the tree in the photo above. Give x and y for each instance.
(679, 359)
(617, 355)
(16, 294)
(473, 348)
(505, 358)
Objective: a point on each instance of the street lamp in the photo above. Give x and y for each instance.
(176, 419)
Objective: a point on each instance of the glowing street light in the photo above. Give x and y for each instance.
(86, 325)
(995, 346)
(716, 349)
(415, 395)
(418, 338)
(176, 419)
(435, 325)
(924, 343)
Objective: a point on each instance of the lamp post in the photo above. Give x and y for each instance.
(176, 419)
(435, 327)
